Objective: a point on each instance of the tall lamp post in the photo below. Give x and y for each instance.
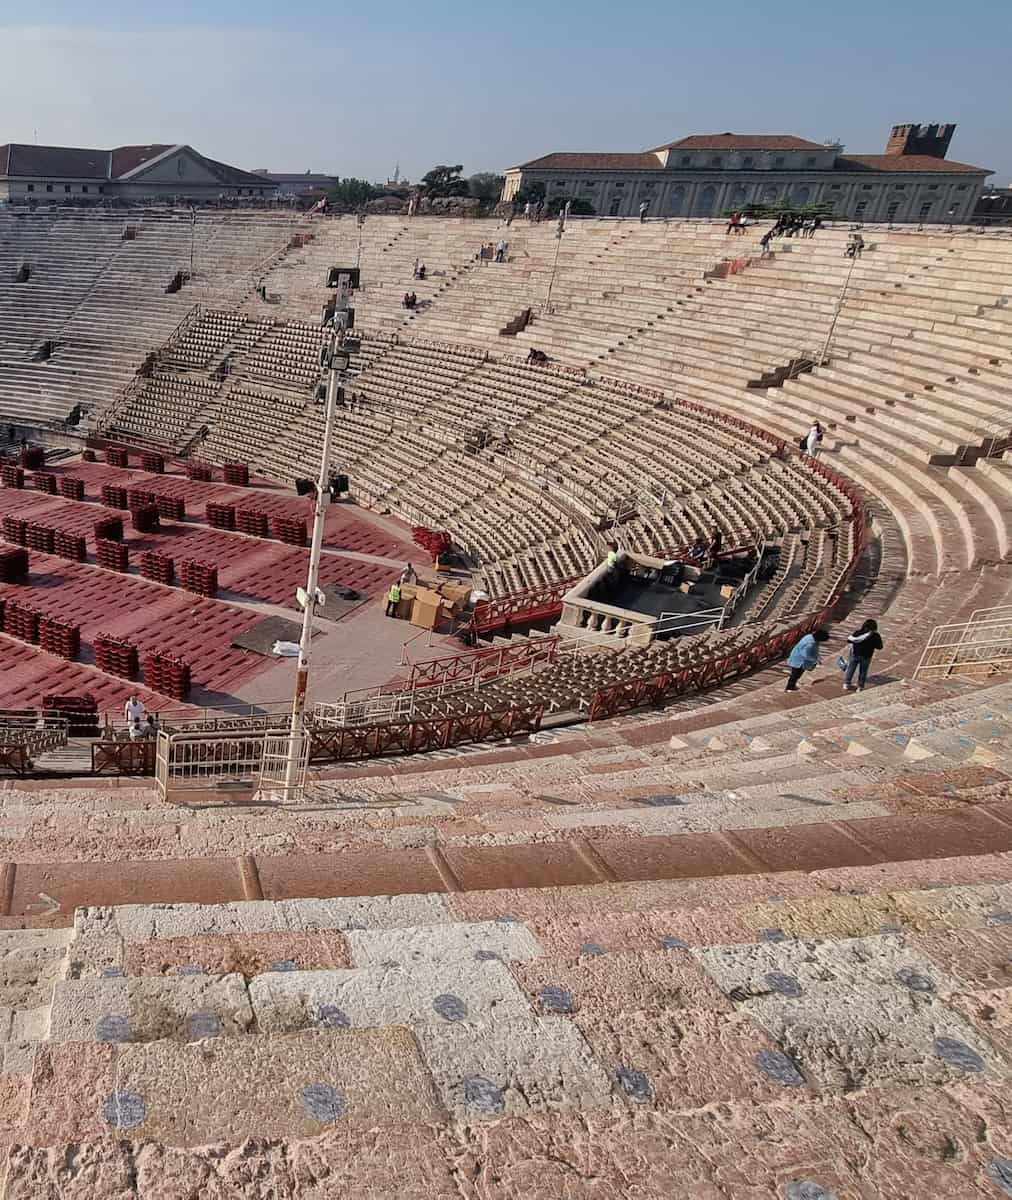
(335, 360)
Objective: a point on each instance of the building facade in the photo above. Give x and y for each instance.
(68, 175)
(707, 175)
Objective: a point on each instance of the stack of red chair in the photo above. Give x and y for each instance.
(60, 638)
(236, 474)
(21, 621)
(70, 545)
(199, 471)
(13, 566)
(12, 476)
(15, 530)
(289, 531)
(109, 528)
(145, 518)
(71, 488)
(198, 577)
(140, 498)
(114, 496)
(87, 456)
(33, 459)
(158, 567)
(168, 675)
(435, 541)
(40, 537)
(81, 713)
(115, 656)
(221, 516)
(117, 456)
(150, 461)
(172, 508)
(44, 482)
(112, 555)
(252, 521)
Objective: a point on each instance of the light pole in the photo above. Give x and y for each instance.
(335, 358)
(563, 214)
(839, 307)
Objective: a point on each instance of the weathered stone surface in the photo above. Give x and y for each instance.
(656, 981)
(512, 1067)
(679, 1061)
(99, 1167)
(411, 1162)
(816, 967)
(443, 943)
(244, 953)
(143, 1010)
(974, 958)
(472, 990)
(875, 1036)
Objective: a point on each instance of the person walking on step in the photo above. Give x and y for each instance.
(500, 251)
(813, 439)
(805, 656)
(863, 643)
(393, 598)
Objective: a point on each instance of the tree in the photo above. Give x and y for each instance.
(352, 193)
(445, 181)
(577, 207)
(532, 192)
(486, 187)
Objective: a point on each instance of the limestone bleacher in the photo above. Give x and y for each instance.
(756, 950)
(85, 275)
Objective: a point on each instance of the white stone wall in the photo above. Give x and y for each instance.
(695, 193)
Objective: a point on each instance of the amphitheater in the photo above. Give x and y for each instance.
(580, 917)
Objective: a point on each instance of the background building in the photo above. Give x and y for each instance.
(308, 183)
(710, 174)
(65, 174)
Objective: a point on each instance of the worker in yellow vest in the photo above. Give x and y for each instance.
(393, 598)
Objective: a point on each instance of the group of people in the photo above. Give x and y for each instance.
(855, 246)
(536, 358)
(410, 300)
(420, 270)
(534, 211)
(862, 644)
(737, 223)
(139, 723)
(705, 552)
(493, 252)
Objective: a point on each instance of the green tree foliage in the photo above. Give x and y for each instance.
(486, 187)
(577, 207)
(352, 193)
(445, 181)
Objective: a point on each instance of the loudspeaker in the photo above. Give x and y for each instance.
(305, 487)
(339, 484)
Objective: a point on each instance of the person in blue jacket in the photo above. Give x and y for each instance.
(804, 656)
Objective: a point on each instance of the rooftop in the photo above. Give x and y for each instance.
(741, 141)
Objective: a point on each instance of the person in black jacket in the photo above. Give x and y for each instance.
(863, 643)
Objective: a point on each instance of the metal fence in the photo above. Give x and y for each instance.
(977, 648)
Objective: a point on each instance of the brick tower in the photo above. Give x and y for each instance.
(932, 140)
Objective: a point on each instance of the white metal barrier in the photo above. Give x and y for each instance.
(978, 648)
(196, 760)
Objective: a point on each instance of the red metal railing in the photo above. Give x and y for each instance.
(485, 663)
(767, 648)
(413, 737)
(532, 604)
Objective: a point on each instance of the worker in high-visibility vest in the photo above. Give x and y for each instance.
(393, 598)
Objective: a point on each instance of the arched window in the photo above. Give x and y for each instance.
(706, 200)
(769, 194)
(801, 194)
(676, 201)
(738, 198)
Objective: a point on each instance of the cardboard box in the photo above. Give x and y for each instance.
(728, 590)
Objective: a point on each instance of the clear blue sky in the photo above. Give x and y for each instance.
(354, 88)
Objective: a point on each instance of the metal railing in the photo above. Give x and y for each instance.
(977, 648)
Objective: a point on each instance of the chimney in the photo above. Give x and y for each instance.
(931, 140)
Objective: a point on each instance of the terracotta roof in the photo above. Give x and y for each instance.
(62, 161)
(129, 158)
(742, 141)
(905, 162)
(595, 162)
